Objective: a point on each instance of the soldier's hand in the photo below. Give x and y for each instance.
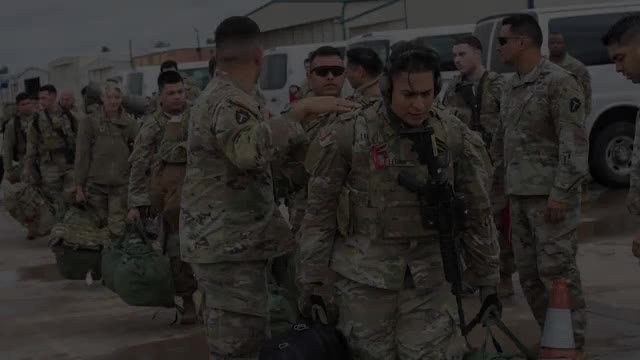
(555, 212)
(133, 215)
(321, 104)
(80, 197)
(318, 308)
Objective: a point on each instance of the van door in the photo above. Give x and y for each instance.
(273, 81)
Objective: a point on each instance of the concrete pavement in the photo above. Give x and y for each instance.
(45, 317)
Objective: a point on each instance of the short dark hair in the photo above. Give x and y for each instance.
(22, 97)
(48, 88)
(470, 40)
(236, 29)
(168, 77)
(325, 51)
(525, 25)
(168, 64)
(622, 31)
(411, 56)
(212, 66)
(367, 58)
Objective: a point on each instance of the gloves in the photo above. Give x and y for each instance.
(491, 306)
(317, 303)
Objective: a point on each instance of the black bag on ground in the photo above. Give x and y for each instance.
(307, 342)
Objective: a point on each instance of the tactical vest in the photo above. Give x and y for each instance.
(52, 135)
(173, 145)
(20, 145)
(104, 134)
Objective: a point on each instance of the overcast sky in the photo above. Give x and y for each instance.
(34, 32)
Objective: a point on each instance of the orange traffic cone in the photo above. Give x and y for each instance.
(557, 339)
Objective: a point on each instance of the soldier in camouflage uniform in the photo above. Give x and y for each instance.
(623, 43)
(104, 143)
(558, 55)
(365, 230)
(157, 172)
(192, 91)
(230, 226)
(474, 97)
(542, 152)
(14, 148)
(51, 142)
(363, 72)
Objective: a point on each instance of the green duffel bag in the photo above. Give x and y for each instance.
(77, 244)
(112, 256)
(142, 277)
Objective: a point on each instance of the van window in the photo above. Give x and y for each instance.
(483, 33)
(582, 35)
(274, 72)
(381, 47)
(444, 46)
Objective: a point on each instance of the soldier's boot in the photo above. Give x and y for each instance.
(189, 314)
(505, 287)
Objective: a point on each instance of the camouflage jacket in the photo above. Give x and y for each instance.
(363, 225)
(542, 147)
(305, 90)
(578, 69)
(367, 94)
(488, 93)
(151, 148)
(14, 146)
(48, 136)
(228, 209)
(103, 149)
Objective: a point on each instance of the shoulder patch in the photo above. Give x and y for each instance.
(574, 104)
(325, 136)
(242, 116)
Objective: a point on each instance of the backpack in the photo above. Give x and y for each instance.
(134, 270)
(307, 342)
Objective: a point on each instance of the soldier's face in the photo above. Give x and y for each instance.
(111, 101)
(466, 58)
(327, 75)
(509, 45)
(627, 59)
(173, 97)
(25, 107)
(355, 75)
(412, 96)
(47, 101)
(67, 100)
(557, 47)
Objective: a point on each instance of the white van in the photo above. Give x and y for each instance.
(284, 66)
(615, 99)
(440, 38)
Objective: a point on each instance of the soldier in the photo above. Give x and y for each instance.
(230, 226)
(157, 171)
(474, 97)
(67, 101)
(51, 143)
(101, 170)
(364, 249)
(14, 150)
(363, 72)
(623, 43)
(543, 158)
(559, 56)
(190, 87)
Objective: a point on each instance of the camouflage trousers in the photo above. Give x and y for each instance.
(283, 294)
(110, 204)
(507, 259)
(235, 307)
(406, 325)
(57, 183)
(183, 278)
(545, 252)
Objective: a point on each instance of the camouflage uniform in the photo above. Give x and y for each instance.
(157, 172)
(230, 225)
(542, 150)
(578, 69)
(48, 138)
(367, 94)
(391, 292)
(102, 167)
(491, 85)
(15, 146)
(305, 90)
(191, 90)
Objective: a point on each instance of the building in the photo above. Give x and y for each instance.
(28, 80)
(109, 65)
(182, 55)
(70, 73)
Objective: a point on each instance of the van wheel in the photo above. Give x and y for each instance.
(611, 154)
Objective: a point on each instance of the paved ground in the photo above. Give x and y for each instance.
(44, 317)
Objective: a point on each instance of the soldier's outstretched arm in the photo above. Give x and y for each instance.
(568, 113)
(140, 161)
(480, 241)
(328, 173)
(83, 152)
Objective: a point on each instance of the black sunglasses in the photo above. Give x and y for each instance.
(503, 40)
(325, 70)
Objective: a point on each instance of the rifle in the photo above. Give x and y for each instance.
(474, 101)
(449, 211)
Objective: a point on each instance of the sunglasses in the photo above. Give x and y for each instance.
(504, 40)
(323, 71)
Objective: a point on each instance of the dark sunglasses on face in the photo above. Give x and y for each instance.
(504, 40)
(323, 71)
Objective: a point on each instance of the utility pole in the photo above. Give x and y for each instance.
(406, 19)
(342, 19)
(198, 42)
(132, 64)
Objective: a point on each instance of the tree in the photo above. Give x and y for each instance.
(161, 44)
(105, 49)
